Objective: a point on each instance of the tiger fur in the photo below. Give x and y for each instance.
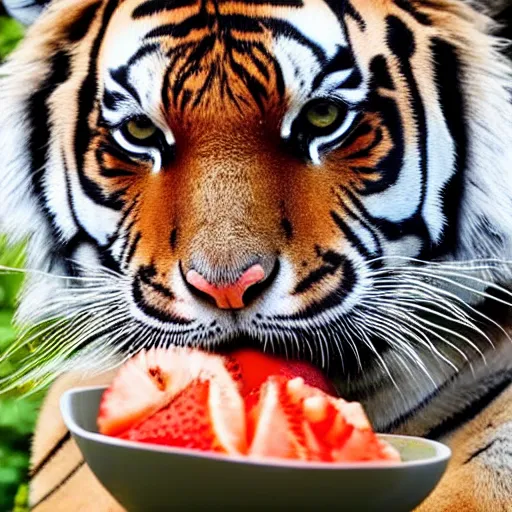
(385, 237)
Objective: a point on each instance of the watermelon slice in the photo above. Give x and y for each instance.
(246, 404)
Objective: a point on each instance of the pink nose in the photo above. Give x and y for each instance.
(229, 296)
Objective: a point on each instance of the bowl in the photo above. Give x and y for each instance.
(147, 478)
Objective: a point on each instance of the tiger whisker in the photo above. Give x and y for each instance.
(398, 313)
(415, 306)
(14, 270)
(22, 341)
(339, 346)
(389, 337)
(73, 324)
(65, 350)
(440, 277)
(350, 340)
(411, 291)
(305, 339)
(439, 336)
(447, 264)
(417, 335)
(405, 366)
(323, 345)
(79, 342)
(438, 293)
(369, 344)
(411, 297)
(66, 326)
(451, 332)
(113, 347)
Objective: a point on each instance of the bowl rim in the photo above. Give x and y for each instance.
(443, 452)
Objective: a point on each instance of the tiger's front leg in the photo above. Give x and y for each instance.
(479, 476)
(60, 479)
(472, 487)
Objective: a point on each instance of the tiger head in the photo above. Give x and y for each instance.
(310, 175)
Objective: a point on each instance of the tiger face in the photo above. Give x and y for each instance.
(260, 169)
(244, 152)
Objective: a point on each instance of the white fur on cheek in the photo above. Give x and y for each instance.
(20, 215)
(486, 205)
(99, 221)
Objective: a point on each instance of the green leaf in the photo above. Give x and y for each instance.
(7, 336)
(5, 317)
(19, 415)
(11, 33)
(21, 499)
(8, 474)
(11, 256)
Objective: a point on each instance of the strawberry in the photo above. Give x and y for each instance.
(297, 421)
(147, 383)
(245, 404)
(201, 417)
(253, 368)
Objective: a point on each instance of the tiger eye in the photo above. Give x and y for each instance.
(322, 115)
(141, 129)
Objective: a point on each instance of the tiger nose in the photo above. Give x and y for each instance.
(229, 296)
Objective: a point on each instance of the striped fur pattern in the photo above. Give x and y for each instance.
(385, 236)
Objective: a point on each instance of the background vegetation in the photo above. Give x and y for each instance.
(17, 415)
(10, 33)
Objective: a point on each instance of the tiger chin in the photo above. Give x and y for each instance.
(326, 179)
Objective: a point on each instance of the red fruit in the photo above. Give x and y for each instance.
(256, 367)
(296, 421)
(201, 416)
(274, 424)
(246, 404)
(149, 381)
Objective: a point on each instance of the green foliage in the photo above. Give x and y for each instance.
(10, 34)
(17, 415)
(21, 499)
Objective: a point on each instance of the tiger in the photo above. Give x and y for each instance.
(330, 180)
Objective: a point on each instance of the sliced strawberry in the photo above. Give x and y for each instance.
(247, 403)
(202, 416)
(294, 420)
(185, 422)
(149, 381)
(274, 424)
(252, 368)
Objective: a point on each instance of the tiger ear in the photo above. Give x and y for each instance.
(25, 11)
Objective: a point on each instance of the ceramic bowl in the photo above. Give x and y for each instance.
(147, 478)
